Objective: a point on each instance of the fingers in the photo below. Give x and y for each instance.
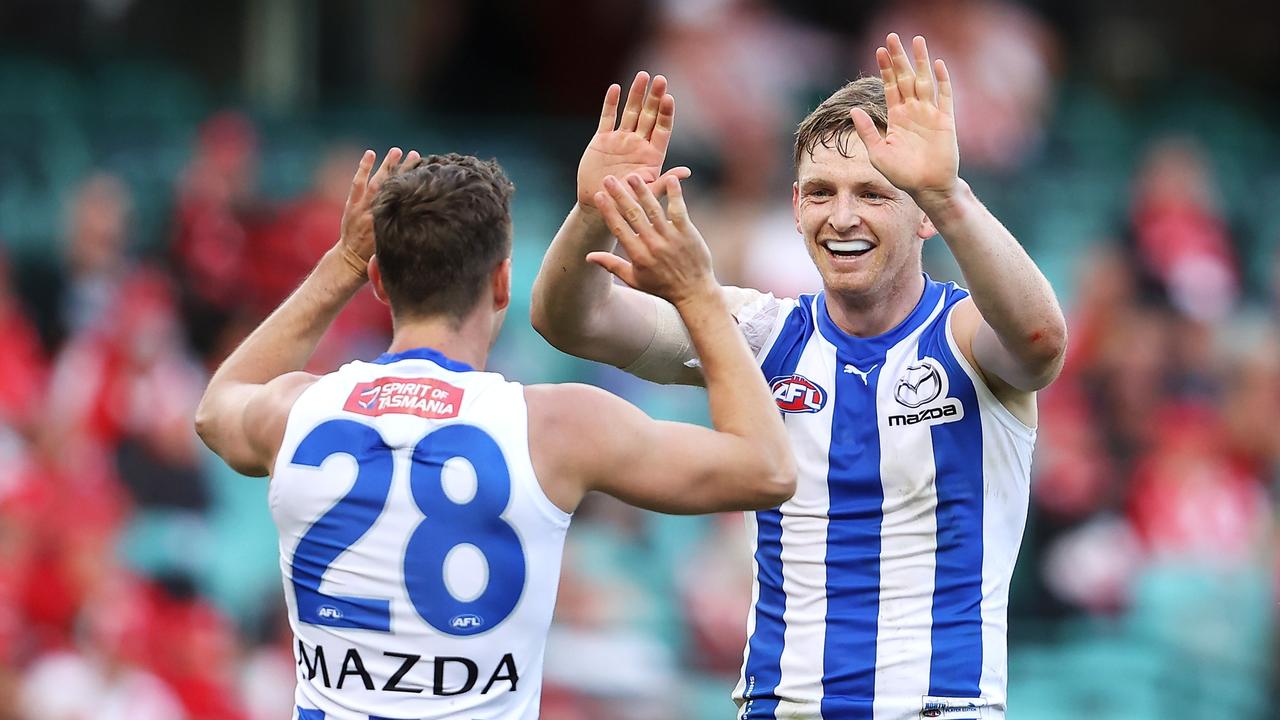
(945, 102)
(411, 161)
(923, 69)
(635, 98)
(891, 95)
(648, 202)
(635, 215)
(676, 209)
(903, 74)
(652, 104)
(659, 187)
(612, 214)
(867, 130)
(609, 113)
(666, 119)
(618, 267)
(360, 181)
(389, 162)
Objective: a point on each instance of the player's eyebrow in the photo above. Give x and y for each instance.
(811, 184)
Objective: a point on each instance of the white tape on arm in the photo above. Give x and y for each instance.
(670, 357)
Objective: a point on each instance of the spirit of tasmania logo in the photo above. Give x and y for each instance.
(424, 397)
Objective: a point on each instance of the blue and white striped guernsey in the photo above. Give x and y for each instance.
(881, 588)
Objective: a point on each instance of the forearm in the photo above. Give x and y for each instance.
(1012, 295)
(568, 288)
(740, 402)
(285, 341)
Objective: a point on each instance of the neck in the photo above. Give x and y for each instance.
(876, 313)
(467, 341)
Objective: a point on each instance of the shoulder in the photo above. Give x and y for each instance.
(569, 407)
(574, 432)
(266, 413)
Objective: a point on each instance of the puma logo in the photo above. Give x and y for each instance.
(853, 370)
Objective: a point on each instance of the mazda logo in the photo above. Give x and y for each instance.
(919, 385)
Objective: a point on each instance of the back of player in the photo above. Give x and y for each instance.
(419, 549)
(419, 552)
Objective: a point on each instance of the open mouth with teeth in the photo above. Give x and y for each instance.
(848, 248)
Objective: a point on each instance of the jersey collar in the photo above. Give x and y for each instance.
(423, 353)
(878, 344)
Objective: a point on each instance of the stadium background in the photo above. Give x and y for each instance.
(168, 171)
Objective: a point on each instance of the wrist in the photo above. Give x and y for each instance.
(343, 265)
(946, 204)
(703, 294)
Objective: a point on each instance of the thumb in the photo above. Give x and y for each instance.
(659, 186)
(619, 268)
(866, 127)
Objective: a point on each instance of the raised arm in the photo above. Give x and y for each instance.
(243, 412)
(1013, 329)
(575, 305)
(597, 441)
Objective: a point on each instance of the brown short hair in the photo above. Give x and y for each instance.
(439, 230)
(830, 122)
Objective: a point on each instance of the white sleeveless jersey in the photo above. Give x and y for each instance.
(881, 587)
(420, 555)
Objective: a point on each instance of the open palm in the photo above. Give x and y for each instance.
(918, 152)
(636, 144)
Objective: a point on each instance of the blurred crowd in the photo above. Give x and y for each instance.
(137, 575)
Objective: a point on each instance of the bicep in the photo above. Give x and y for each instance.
(617, 332)
(682, 469)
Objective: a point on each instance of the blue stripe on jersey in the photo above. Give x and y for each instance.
(855, 515)
(763, 667)
(305, 714)
(853, 545)
(423, 353)
(956, 664)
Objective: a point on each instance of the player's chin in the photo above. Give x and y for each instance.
(848, 281)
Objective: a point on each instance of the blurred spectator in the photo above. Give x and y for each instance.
(23, 367)
(1180, 240)
(131, 386)
(1002, 59)
(1191, 501)
(216, 212)
(103, 676)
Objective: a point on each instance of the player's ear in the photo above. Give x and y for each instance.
(926, 229)
(375, 279)
(795, 205)
(501, 285)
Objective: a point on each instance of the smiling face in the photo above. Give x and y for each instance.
(864, 234)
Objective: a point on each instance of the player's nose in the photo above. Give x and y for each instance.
(844, 215)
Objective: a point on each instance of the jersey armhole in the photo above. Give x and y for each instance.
(985, 396)
(546, 505)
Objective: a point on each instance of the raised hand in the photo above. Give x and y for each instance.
(636, 144)
(356, 237)
(668, 255)
(918, 152)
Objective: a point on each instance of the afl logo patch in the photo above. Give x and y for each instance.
(798, 394)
